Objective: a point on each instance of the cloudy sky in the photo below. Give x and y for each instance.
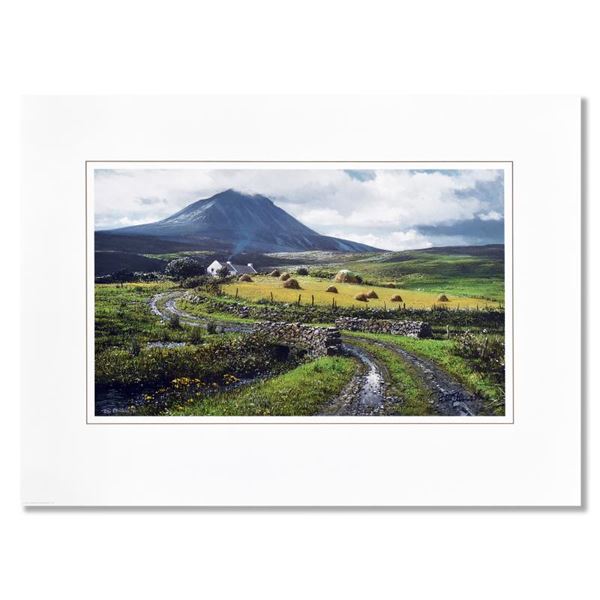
(391, 209)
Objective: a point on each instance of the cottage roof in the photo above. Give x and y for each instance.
(242, 269)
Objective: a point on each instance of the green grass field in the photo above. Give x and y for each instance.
(122, 314)
(461, 275)
(300, 392)
(200, 310)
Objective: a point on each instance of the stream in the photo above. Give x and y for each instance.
(117, 401)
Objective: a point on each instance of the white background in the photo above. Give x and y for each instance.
(533, 462)
(424, 47)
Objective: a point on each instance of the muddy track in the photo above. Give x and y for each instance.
(164, 305)
(365, 394)
(448, 396)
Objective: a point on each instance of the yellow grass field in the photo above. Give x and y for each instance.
(262, 286)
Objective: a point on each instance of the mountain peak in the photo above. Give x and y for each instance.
(229, 198)
(234, 195)
(244, 222)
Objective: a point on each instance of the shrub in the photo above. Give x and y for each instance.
(181, 268)
(284, 276)
(196, 336)
(372, 294)
(147, 277)
(135, 346)
(322, 273)
(212, 286)
(485, 352)
(390, 285)
(211, 327)
(174, 321)
(302, 271)
(223, 272)
(361, 297)
(291, 284)
(197, 281)
(332, 289)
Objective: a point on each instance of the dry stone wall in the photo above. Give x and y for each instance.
(417, 329)
(318, 341)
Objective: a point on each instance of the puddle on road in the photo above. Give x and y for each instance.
(372, 382)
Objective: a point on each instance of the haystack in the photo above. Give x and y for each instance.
(443, 298)
(372, 294)
(390, 285)
(284, 276)
(345, 276)
(275, 273)
(332, 289)
(291, 284)
(245, 277)
(396, 298)
(361, 297)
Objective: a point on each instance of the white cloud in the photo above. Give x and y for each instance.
(395, 240)
(491, 216)
(316, 217)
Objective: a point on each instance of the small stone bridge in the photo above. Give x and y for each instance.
(318, 341)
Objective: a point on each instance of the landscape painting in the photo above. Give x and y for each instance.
(322, 291)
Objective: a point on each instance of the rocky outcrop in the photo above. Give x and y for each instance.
(318, 341)
(416, 329)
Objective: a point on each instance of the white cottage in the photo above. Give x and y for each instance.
(215, 268)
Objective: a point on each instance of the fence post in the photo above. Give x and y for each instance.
(236, 292)
(299, 298)
(312, 300)
(271, 297)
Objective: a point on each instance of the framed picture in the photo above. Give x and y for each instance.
(301, 301)
(221, 304)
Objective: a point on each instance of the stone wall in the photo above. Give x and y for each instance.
(487, 318)
(417, 329)
(318, 341)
